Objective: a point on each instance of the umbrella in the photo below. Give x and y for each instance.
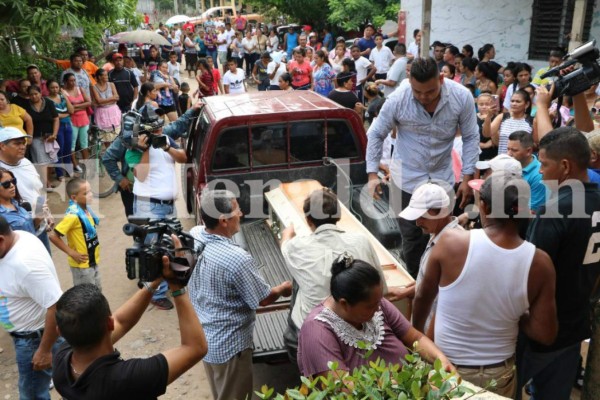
(177, 19)
(141, 36)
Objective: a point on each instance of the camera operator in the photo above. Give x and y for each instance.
(89, 367)
(116, 154)
(155, 182)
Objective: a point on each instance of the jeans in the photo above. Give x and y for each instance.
(213, 54)
(147, 209)
(552, 373)
(414, 241)
(65, 139)
(127, 199)
(33, 385)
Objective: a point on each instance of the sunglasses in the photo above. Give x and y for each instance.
(6, 184)
(595, 110)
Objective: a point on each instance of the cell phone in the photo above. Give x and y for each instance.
(496, 99)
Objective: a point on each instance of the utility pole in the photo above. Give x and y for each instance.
(425, 28)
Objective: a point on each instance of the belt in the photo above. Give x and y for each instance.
(156, 201)
(28, 335)
(504, 363)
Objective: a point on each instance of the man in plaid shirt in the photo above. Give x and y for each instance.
(226, 289)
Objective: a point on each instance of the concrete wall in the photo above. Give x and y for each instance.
(505, 23)
(595, 30)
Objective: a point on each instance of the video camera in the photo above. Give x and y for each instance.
(582, 78)
(152, 240)
(142, 122)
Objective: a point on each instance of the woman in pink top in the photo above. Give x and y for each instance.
(80, 122)
(300, 70)
(357, 313)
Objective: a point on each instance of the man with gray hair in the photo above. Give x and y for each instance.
(491, 283)
(226, 289)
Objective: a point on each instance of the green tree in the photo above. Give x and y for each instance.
(40, 22)
(353, 14)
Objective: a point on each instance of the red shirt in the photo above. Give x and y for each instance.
(216, 79)
(146, 19)
(301, 73)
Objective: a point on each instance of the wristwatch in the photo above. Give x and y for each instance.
(179, 292)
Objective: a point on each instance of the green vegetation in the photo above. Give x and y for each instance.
(40, 23)
(341, 14)
(415, 379)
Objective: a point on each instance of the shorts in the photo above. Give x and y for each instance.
(168, 109)
(222, 57)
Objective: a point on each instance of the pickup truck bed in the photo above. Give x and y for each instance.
(257, 239)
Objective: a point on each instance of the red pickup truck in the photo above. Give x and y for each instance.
(253, 142)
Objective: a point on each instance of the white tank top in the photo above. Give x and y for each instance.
(477, 317)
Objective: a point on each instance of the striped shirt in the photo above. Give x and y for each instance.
(225, 289)
(423, 146)
(509, 126)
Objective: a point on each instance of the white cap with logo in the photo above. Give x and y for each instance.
(425, 197)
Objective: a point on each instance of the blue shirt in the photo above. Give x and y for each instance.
(594, 176)
(531, 174)
(19, 219)
(365, 44)
(225, 289)
(423, 145)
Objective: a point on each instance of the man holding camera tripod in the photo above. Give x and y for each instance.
(89, 367)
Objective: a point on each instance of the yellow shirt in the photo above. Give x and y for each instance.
(14, 117)
(70, 227)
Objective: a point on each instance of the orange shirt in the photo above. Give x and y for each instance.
(88, 67)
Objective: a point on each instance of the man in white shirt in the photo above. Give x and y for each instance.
(397, 72)
(275, 69)
(233, 80)
(309, 260)
(13, 145)
(364, 70)
(381, 56)
(222, 47)
(230, 35)
(29, 290)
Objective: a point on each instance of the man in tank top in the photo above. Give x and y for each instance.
(490, 283)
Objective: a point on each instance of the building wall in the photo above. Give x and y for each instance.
(505, 23)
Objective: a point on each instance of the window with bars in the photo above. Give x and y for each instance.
(551, 25)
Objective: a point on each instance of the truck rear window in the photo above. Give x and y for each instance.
(283, 144)
(232, 150)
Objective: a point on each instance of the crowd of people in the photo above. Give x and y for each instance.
(494, 182)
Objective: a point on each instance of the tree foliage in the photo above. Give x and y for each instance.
(353, 14)
(40, 22)
(345, 15)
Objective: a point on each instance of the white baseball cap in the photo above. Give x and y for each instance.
(426, 197)
(502, 162)
(10, 133)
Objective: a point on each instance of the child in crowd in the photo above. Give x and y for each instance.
(185, 101)
(174, 67)
(218, 85)
(79, 226)
(130, 64)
